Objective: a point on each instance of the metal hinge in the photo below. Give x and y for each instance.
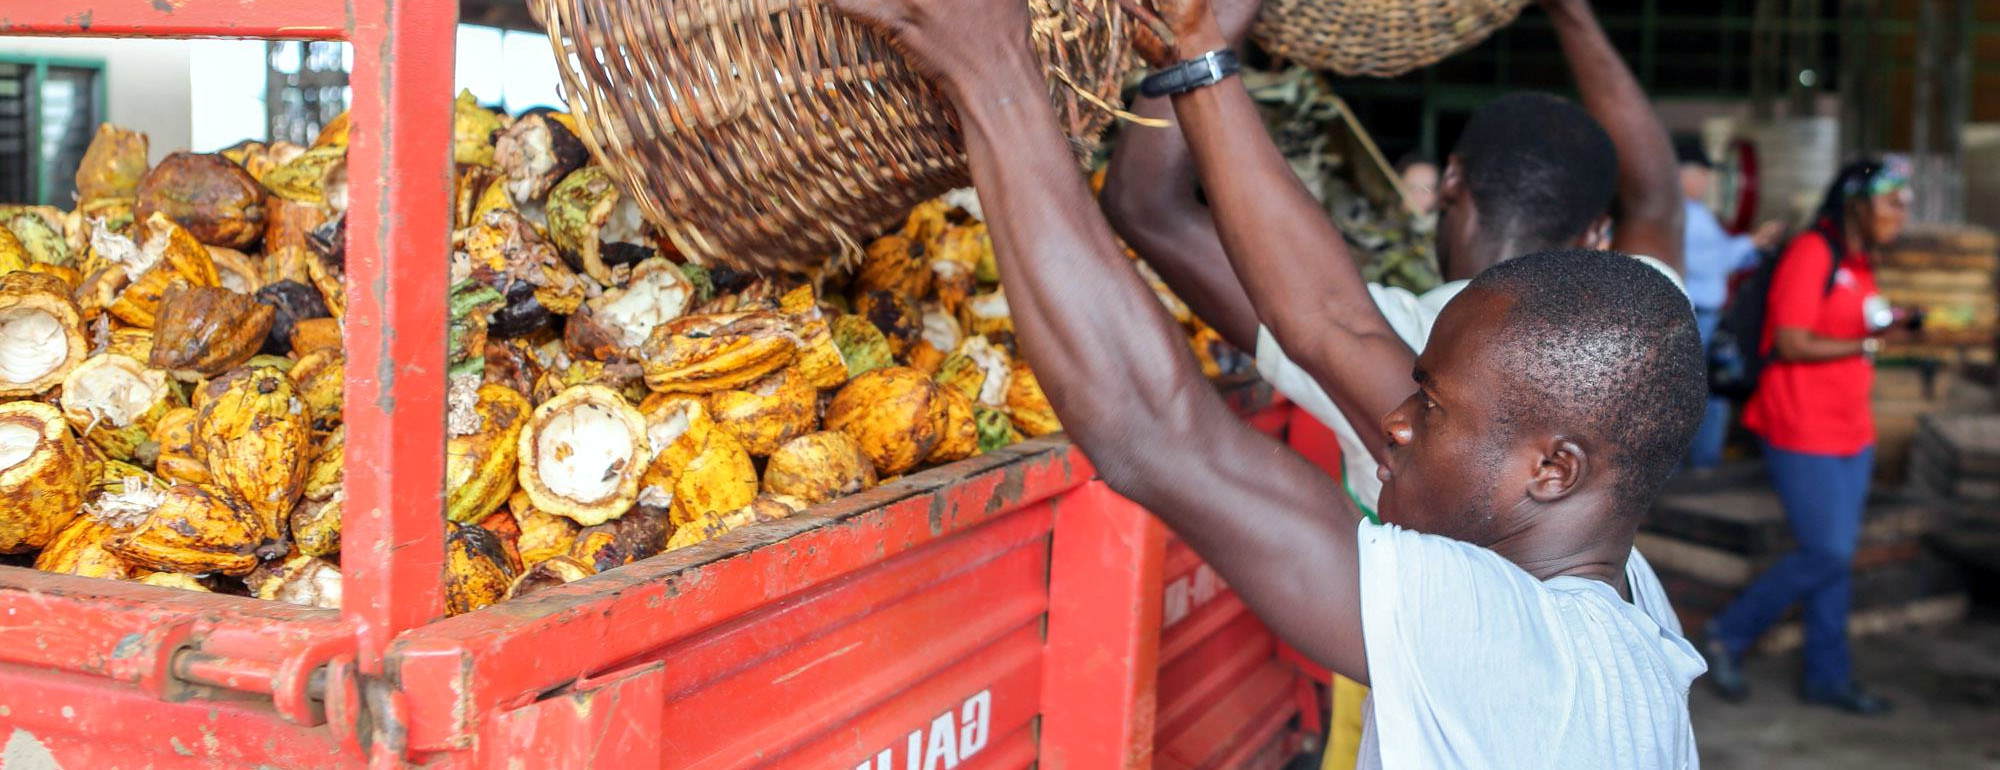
(316, 685)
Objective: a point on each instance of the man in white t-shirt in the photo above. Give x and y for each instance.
(1500, 611)
(1529, 172)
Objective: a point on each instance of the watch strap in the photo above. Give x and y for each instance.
(1204, 70)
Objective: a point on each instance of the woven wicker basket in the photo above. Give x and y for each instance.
(1380, 38)
(774, 134)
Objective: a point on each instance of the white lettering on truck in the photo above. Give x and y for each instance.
(953, 737)
(1188, 593)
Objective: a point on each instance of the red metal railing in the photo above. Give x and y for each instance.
(166, 642)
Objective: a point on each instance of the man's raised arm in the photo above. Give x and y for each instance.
(1114, 363)
(1650, 213)
(1293, 263)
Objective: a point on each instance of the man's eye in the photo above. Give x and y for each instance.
(1430, 405)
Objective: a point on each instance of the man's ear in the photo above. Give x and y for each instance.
(1597, 237)
(1562, 470)
(1451, 181)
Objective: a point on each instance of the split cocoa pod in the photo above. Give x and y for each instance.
(707, 353)
(41, 334)
(699, 468)
(44, 475)
(582, 454)
(116, 403)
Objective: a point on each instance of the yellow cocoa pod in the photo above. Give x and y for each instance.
(480, 466)
(185, 528)
(543, 534)
(316, 521)
(475, 569)
(132, 342)
(979, 370)
(173, 580)
(113, 164)
(986, 314)
(953, 283)
(1028, 405)
(79, 550)
(927, 220)
(699, 467)
(713, 525)
(960, 437)
(894, 264)
(321, 379)
(316, 524)
(767, 413)
(180, 457)
(897, 415)
(819, 356)
(818, 467)
(44, 475)
(255, 435)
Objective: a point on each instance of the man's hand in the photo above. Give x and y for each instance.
(1170, 31)
(1651, 210)
(955, 43)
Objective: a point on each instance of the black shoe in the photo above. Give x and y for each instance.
(1849, 698)
(1725, 669)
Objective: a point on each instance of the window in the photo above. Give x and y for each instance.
(306, 83)
(49, 109)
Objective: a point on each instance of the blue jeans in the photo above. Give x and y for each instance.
(1824, 496)
(1706, 451)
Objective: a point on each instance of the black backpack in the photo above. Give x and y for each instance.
(1736, 355)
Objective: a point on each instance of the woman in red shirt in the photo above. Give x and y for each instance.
(1811, 409)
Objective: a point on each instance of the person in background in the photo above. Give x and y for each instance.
(1711, 255)
(1822, 327)
(1420, 183)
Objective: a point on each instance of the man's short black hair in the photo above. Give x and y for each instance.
(1606, 349)
(1538, 167)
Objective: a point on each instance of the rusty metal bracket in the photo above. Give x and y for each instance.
(170, 663)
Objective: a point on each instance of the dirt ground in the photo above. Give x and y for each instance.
(1946, 685)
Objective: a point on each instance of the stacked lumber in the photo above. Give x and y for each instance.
(1948, 271)
(1707, 546)
(1958, 456)
(1906, 392)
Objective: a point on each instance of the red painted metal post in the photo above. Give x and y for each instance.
(398, 249)
(1103, 641)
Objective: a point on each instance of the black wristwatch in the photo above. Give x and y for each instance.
(1204, 70)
